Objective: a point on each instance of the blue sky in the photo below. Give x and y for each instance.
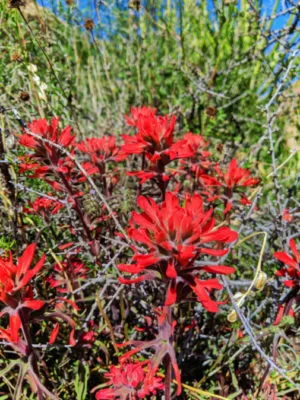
(87, 8)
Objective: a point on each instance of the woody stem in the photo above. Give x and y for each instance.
(168, 377)
(167, 362)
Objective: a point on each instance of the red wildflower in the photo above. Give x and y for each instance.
(231, 181)
(236, 176)
(14, 290)
(44, 205)
(137, 113)
(189, 146)
(286, 215)
(154, 133)
(49, 132)
(144, 176)
(154, 139)
(293, 263)
(100, 150)
(174, 237)
(13, 277)
(71, 270)
(48, 144)
(128, 383)
(281, 311)
(162, 345)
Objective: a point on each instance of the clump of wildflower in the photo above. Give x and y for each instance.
(174, 237)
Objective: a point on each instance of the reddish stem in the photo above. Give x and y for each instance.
(29, 349)
(167, 361)
(77, 207)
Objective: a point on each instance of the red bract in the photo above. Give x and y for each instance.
(100, 150)
(44, 205)
(174, 237)
(282, 309)
(14, 290)
(128, 383)
(154, 133)
(155, 141)
(286, 215)
(137, 113)
(67, 275)
(49, 132)
(293, 263)
(236, 176)
(13, 277)
(11, 334)
(189, 146)
(47, 157)
(228, 183)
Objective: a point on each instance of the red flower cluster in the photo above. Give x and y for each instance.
(154, 133)
(100, 150)
(15, 291)
(155, 141)
(162, 345)
(67, 274)
(235, 176)
(174, 237)
(293, 270)
(43, 206)
(51, 133)
(48, 143)
(227, 183)
(49, 162)
(190, 146)
(128, 382)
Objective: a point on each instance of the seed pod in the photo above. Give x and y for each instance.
(211, 111)
(261, 280)
(232, 316)
(24, 96)
(16, 3)
(89, 24)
